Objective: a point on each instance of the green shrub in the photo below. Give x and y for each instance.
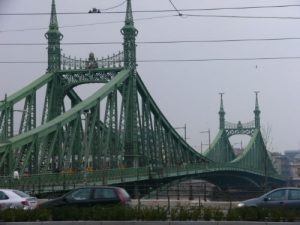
(218, 214)
(151, 214)
(196, 213)
(207, 214)
(232, 215)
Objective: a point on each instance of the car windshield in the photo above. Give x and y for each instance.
(21, 194)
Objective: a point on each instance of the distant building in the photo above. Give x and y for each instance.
(294, 164)
(295, 173)
(292, 155)
(281, 164)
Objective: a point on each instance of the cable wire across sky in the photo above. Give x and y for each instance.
(178, 60)
(177, 10)
(161, 42)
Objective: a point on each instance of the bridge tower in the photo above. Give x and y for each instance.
(54, 37)
(131, 151)
(54, 95)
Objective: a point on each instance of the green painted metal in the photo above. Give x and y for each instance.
(116, 135)
(221, 150)
(54, 37)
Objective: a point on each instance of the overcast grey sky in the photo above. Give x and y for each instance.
(186, 92)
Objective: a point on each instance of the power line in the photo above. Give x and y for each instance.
(113, 7)
(154, 11)
(222, 59)
(179, 14)
(159, 42)
(87, 24)
(154, 17)
(244, 17)
(178, 60)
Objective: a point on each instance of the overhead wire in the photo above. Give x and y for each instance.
(173, 5)
(179, 60)
(244, 17)
(179, 13)
(155, 11)
(88, 24)
(160, 42)
(113, 7)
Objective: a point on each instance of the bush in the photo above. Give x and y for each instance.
(207, 214)
(147, 214)
(150, 214)
(232, 215)
(18, 215)
(218, 214)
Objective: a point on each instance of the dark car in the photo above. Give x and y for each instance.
(288, 197)
(90, 196)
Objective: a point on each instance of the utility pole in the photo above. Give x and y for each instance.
(184, 128)
(208, 132)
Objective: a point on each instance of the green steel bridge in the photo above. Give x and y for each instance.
(116, 136)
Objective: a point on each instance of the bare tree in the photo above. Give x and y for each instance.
(267, 137)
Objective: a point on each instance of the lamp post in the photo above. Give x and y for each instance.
(4, 135)
(208, 132)
(85, 144)
(184, 128)
(202, 144)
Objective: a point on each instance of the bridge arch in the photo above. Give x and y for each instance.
(137, 130)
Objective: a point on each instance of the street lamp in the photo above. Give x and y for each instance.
(85, 144)
(184, 128)
(208, 132)
(4, 135)
(202, 144)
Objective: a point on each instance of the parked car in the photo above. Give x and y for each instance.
(288, 197)
(91, 196)
(10, 198)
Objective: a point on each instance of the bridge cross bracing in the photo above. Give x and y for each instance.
(116, 135)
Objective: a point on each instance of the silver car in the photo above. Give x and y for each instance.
(10, 198)
(288, 197)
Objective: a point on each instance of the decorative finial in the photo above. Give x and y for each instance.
(54, 37)
(222, 113)
(221, 106)
(129, 32)
(53, 19)
(256, 99)
(257, 111)
(129, 17)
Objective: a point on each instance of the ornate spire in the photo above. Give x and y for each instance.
(129, 17)
(257, 111)
(129, 32)
(222, 114)
(54, 37)
(53, 19)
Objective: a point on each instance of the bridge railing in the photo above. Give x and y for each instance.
(54, 182)
(239, 125)
(114, 61)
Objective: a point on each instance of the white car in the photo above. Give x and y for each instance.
(10, 198)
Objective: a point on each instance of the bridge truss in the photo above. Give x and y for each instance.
(118, 129)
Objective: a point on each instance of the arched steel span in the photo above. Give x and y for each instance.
(116, 135)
